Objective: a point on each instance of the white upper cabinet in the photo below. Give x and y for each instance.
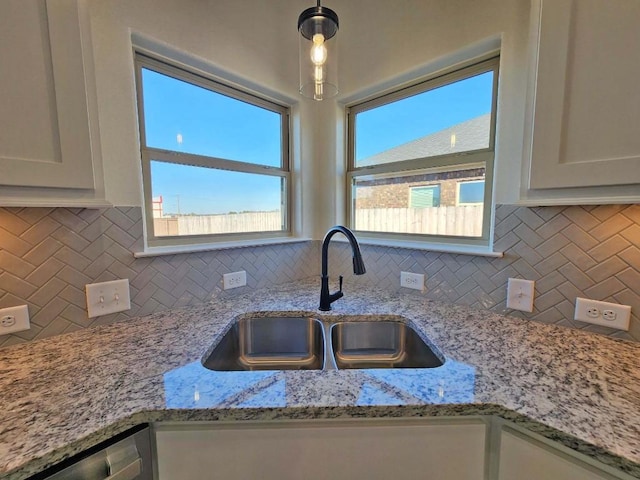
(49, 140)
(585, 97)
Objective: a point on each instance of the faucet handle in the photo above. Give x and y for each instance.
(340, 289)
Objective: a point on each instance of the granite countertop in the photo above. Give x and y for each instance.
(64, 394)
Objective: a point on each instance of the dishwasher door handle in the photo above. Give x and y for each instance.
(129, 472)
(123, 460)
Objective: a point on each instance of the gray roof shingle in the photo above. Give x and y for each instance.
(469, 135)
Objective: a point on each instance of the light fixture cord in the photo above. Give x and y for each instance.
(318, 2)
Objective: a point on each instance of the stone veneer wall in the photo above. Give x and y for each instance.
(575, 251)
(47, 255)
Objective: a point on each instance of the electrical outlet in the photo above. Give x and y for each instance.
(234, 279)
(593, 312)
(520, 294)
(108, 297)
(412, 280)
(14, 319)
(603, 313)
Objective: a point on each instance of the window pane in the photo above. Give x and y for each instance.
(190, 200)
(449, 119)
(425, 196)
(384, 203)
(471, 192)
(183, 117)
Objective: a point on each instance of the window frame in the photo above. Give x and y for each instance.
(467, 159)
(142, 60)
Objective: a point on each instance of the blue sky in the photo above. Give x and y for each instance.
(420, 115)
(190, 119)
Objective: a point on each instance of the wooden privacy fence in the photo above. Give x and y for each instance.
(229, 223)
(459, 221)
(463, 220)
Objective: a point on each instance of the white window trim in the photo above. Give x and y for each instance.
(464, 245)
(207, 247)
(456, 249)
(182, 244)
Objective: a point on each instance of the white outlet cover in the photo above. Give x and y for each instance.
(14, 319)
(234, 279)
(622, 313)
(520, 294)
(412, 280)
(108, 297)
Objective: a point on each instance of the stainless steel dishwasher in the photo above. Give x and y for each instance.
(125, 457)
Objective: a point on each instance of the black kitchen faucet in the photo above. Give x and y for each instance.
(326, 298)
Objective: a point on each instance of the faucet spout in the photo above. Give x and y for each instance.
(327, 298)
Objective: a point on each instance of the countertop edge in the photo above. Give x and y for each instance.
(52, 458)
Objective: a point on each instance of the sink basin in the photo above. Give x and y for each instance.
(298, 343)
(270, 343)
(384, 344)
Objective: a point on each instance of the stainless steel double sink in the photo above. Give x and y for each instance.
(304, 343)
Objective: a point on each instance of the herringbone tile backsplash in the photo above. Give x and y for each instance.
(47, 255)
(591, 252)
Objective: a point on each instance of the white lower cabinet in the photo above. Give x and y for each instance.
(524, 457)
(324, 449)
(451, 448)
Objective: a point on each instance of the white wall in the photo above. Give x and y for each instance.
(379, 42)
(244, 38)
(385, 43)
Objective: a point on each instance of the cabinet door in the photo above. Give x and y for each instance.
(45, 136)
(524, 459)
(323, 450)
(586, 105)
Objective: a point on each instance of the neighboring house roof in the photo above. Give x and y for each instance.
(470, 135)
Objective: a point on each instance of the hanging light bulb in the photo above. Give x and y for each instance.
(318, 51)
(318, 61)
(318, 58)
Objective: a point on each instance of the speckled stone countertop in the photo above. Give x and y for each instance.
(64, 394)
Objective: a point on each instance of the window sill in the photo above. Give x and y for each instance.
(455, 249)
(174, 250)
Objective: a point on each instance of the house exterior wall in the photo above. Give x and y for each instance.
(395, 192)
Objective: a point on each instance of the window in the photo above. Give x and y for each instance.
(427, 196)
(421, 159)
(214, 158)
(470, 193)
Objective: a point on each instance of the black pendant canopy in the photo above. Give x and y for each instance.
(323, 20)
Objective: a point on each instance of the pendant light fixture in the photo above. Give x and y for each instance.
(318, 53)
